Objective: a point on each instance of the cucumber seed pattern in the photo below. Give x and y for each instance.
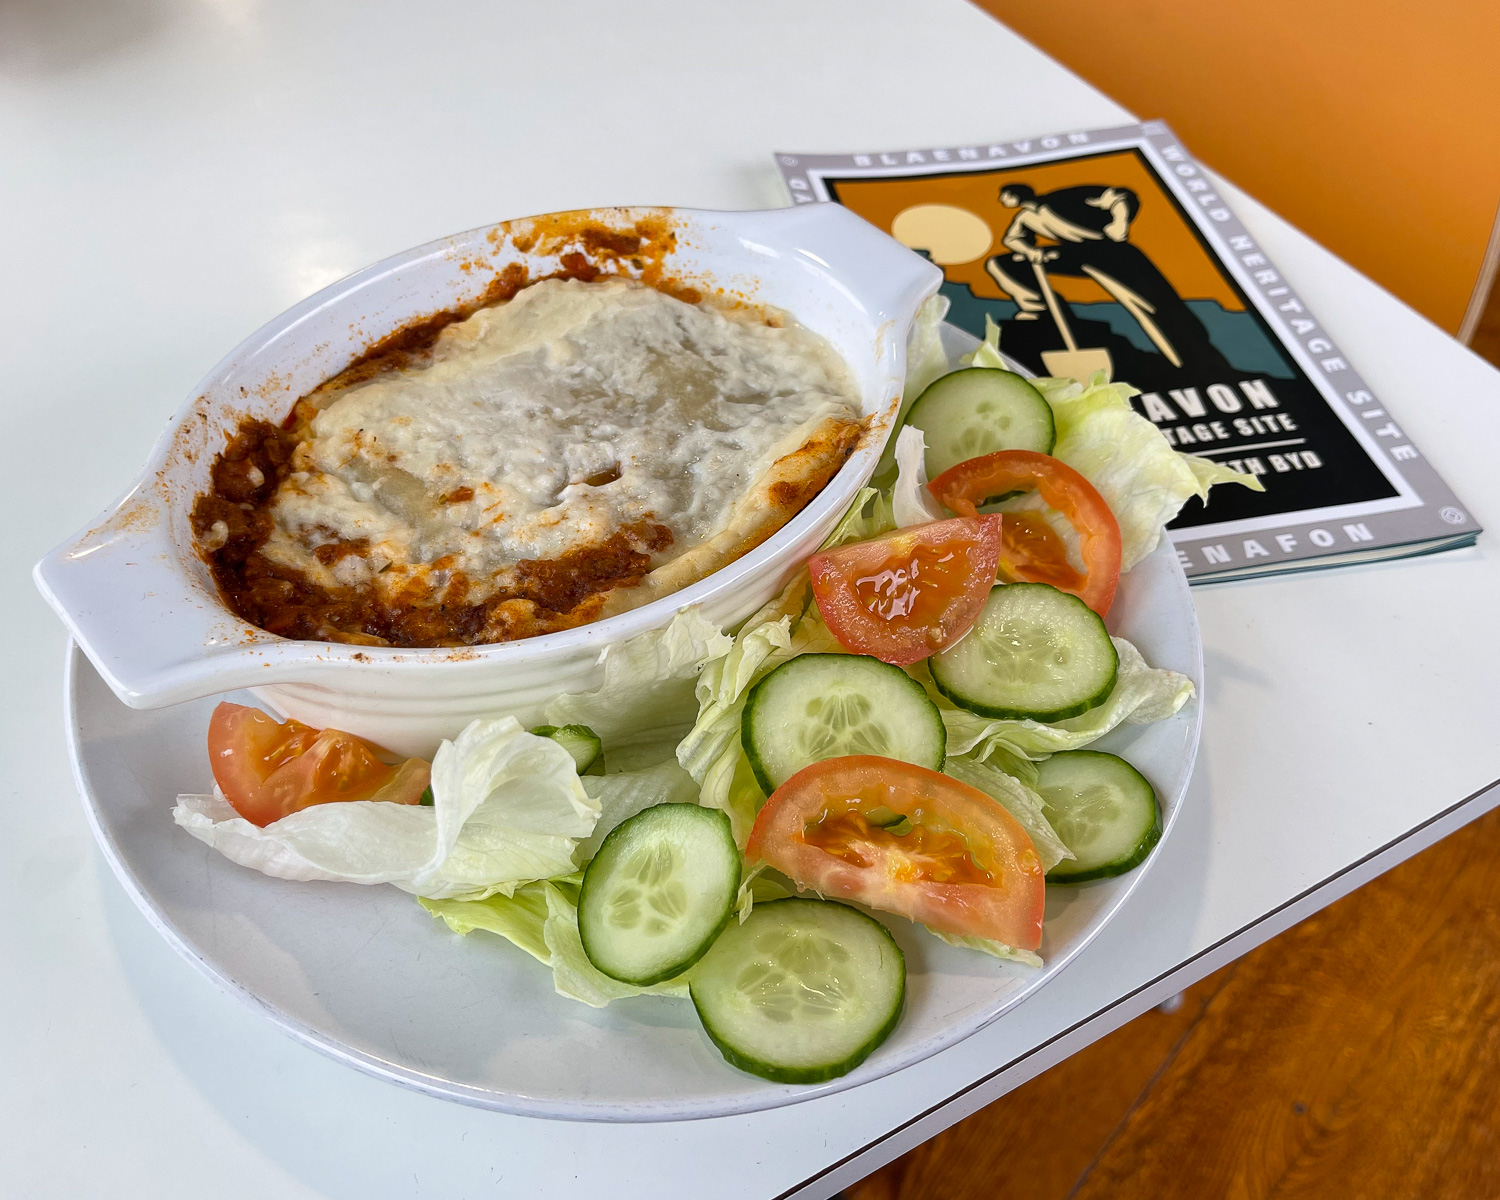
(796, 974)
(1089, 809)
(652, 897)
(989, 426)
(1024, 651)
(842, 722)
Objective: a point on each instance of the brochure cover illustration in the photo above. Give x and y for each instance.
(1111, 249)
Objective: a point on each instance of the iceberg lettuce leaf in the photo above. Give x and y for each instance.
(911, 502)
(646, 700)
(987, 353)
(711, 752)
(870, 516)
(1018, 799)
(1209, 473)
(722, 688)
(573, 975)
(365, 841)
(756, 890)
(730, 785)
(542, 919)
(1142, 478)
(985, 946)
(622, 795)
(507, 808)
(511, 807)
(518, 918)
(926, 360)
(1141, 695)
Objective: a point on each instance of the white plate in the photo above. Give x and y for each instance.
(364, 975)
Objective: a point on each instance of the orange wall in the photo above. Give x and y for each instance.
(1373, 126)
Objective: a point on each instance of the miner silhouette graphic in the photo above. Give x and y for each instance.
(1090, 226)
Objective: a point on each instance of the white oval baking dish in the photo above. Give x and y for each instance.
(136, 596)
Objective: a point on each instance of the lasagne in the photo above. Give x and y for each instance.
(579, 449)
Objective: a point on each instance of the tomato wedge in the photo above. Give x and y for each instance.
(965, 867)
(1031, 551)
(268, 768)
(914, 592)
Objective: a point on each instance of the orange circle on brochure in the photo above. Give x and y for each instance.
(950, 235)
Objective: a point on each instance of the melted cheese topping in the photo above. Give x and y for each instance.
(546, 424)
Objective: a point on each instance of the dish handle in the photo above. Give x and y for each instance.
(883, 279)
(148, 621)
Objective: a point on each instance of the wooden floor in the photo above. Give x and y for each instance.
(1355, 1057)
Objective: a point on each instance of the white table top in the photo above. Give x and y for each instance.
(176, 173)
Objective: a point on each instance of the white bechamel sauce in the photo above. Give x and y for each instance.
(525, 402)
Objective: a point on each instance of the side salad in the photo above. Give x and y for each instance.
(902, 731)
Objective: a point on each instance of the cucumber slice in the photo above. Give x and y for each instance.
(821, 706)
(978, 411)
(801, 991)
(1035, 652)
(658, 892)
(1102, 808)
(581, 742)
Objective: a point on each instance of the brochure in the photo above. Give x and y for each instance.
(1111, 249)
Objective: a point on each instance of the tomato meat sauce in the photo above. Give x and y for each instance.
(956, 861)
(233, 519)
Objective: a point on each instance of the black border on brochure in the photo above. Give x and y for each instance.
(1493, 785)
